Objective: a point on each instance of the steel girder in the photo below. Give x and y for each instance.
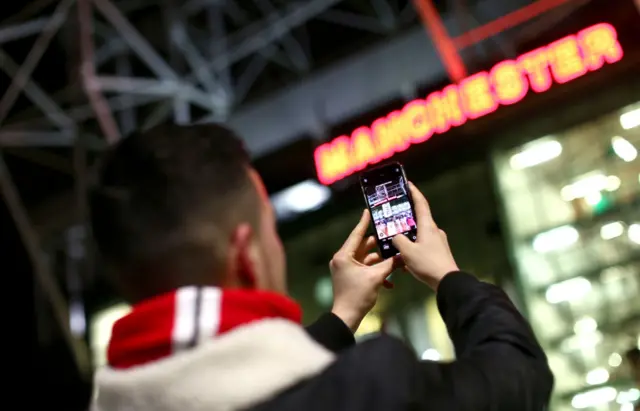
(107, 35)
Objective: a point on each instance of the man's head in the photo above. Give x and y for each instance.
(179, 206)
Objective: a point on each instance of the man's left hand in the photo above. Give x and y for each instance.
(357, 275)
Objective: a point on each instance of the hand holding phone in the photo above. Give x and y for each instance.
(429, 258)
(389, 201)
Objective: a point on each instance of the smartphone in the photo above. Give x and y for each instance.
(389, 201)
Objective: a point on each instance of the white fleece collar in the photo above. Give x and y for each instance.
(238, 370)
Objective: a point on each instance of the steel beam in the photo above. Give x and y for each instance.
(385, 13)
(100, 107)
(10, 138)
(240, 18)
(155, 87)
(33, 58)
(291, 46)
(127, 117)
(507, 21)
(41, 269)
(353, 20)
(442, 41)
(38, 96)
(143, 49)
(272, 28)
(26, 29)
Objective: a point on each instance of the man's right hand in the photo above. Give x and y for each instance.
(429, 259)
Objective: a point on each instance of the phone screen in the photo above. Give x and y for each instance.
(389, 201)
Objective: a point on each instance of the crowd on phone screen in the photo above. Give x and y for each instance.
(399, 223)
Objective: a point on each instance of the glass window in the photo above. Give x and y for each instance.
(572, 204)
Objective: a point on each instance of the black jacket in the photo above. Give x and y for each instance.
(499, 367)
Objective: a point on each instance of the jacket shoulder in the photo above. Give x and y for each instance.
(373, 375)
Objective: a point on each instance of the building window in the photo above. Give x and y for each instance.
(572, 205)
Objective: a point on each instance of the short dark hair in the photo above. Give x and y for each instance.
(161, 200)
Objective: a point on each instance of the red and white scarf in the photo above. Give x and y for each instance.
(179, 320)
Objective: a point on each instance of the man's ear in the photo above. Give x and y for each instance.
(244, 266)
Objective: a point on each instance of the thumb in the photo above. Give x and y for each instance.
(402, 243)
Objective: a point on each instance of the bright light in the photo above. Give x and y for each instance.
(615, 360)
(535, 153)
(631, 395)
(300, 198)
(611, 230)
(589, 185)
(593, 198)
(624, 149)
(556, 239)
(431, 355)
(324, 291)
(634, 233)
(599, 396)
(627, 406)
(568, 290)
(585, 325)
(582, 342)
(597, 376)
(630, 119)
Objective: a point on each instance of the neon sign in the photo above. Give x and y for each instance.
(507, 83)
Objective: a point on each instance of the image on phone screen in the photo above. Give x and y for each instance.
(389, 201)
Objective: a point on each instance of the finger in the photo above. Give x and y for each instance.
(402, 244)
(356, 236)
(367, 245)
(383, 269)
(398, 262)
(421, 205)
(372, 258)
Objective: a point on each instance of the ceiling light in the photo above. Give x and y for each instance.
(630, 119)
(431, 355)
(303, 197)
(585, 325)
(634, 233)
(615, 360)
(589, 185)
(611, 230)
(631, 395)
(568, 290)
(556, 239)
(535, 153)
(593, 398)
(597, 376)
(624, 149)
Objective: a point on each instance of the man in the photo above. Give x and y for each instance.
(185, 226)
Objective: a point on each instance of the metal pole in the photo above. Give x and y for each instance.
(101, 108)
(437, 31)
(33, 58)
(507, 21)
(40, 268)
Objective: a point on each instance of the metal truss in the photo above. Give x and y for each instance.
(192, 70)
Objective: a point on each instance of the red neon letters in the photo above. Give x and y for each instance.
(506, 83)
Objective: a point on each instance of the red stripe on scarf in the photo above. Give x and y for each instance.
(158, 327)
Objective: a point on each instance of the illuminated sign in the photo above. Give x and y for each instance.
(507, 83)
